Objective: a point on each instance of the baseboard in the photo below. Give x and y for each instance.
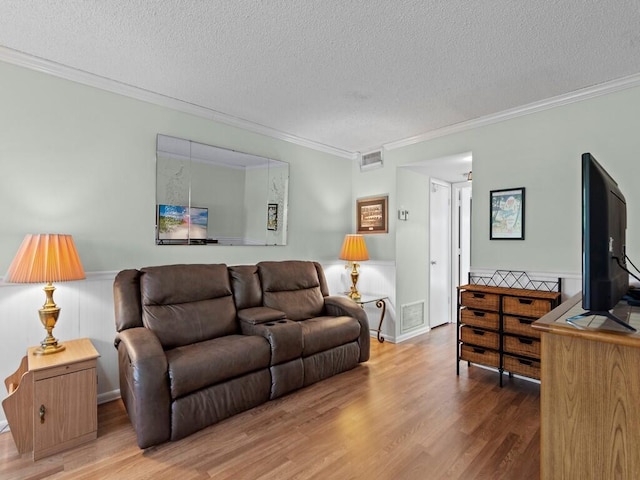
(412, 333)
(108, 396)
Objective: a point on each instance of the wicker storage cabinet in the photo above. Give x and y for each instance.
(494, 327)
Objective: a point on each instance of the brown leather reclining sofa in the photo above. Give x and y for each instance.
(199, 343)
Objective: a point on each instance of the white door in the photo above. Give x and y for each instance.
(439, 253)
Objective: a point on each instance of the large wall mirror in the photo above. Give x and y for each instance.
(208, 195)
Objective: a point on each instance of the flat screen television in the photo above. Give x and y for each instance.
(181, 224)
(605, 279)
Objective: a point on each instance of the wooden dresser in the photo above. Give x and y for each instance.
(494, 327)
(590, 395)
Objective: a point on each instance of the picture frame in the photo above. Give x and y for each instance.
(507, 214)
(272, 216)
(372, 215)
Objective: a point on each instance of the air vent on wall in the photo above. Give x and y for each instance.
(371, 160)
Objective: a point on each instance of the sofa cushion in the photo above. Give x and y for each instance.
(324, 333)
(292, 287)
(185, 304)
(203, 364)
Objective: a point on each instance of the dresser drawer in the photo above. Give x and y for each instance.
(521, 366)
(527, 347)
(479, 318)
(479, 337)
(519, 326)
(481, 301)
(527, 307)
(480, 355)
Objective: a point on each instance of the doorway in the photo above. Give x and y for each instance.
(449, 247)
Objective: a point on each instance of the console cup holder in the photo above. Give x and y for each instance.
(282, 321)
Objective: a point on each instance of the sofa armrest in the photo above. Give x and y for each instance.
(144, 385)
(343, 306)
(257, 315)
(284, 337)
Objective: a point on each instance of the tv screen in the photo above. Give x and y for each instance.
(180, 223)
(604, 222)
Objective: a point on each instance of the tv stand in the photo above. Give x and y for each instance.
(573, 320)
(589, 390)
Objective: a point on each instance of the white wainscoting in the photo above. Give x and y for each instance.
(87, 311)
(376, 278)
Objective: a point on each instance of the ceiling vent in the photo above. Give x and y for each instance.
(371, 160)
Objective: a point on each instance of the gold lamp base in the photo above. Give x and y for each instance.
(353, 293)
(49, 316)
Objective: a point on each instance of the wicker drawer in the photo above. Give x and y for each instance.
(520, 326)
(478, 318)
(479, 337)
(521, 366)
(528, 307)
(527, 347)
(481, 301)
(479, 355)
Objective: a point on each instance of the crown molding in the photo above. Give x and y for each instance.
(558, 101)
(21, 59)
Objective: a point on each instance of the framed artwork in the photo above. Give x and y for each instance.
(372, 215)
(506, 214)
(272, 216)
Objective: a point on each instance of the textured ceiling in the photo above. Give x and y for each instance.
(350, 74)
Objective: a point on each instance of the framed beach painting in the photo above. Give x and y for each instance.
(506, 214)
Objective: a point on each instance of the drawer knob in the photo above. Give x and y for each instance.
(526, 341)
(41, 413)
(478, 295)
(525, 301)
(526, 321)
(478, 332)
(478, 314)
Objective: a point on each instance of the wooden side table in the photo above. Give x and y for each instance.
(379, 301)
(52, 403)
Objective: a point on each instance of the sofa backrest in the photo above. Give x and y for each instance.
(245, 282)
(295, 287)
(184, 304)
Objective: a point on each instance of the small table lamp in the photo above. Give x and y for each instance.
(354, 250)
(46, 258)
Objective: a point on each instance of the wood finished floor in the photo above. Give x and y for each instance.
(402, 415)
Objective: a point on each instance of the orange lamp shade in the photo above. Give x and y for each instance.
(354, 249)
(46, 258)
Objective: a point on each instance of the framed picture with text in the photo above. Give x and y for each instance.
(372, 215)
(506, 214)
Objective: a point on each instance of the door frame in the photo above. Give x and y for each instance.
(456, 200)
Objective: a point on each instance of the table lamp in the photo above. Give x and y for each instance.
(354, 250)
(46, 258)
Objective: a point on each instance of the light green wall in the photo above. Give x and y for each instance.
(79, 160)
(540, 152)
(375, 183)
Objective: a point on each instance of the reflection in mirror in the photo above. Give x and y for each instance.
(208, 195)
